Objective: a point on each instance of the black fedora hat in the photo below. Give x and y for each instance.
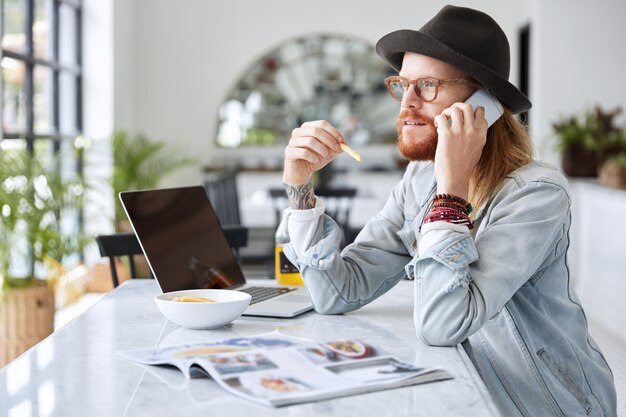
(467, 39)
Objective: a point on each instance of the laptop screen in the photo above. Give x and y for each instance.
(182, 238)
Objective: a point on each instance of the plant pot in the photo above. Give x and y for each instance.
(26, 318)
(612, 175)
(579, 162)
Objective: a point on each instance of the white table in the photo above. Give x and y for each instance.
(75, 371)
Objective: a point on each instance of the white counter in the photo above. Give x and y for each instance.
(75, 371)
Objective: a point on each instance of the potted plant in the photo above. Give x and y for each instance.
(37, 202)
(139, 163)
(585, 141)
(612, 173)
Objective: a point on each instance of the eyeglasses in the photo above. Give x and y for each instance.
(425, 88)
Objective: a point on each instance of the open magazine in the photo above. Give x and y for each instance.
(276, 369)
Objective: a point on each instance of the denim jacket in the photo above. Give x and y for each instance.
(501, 289)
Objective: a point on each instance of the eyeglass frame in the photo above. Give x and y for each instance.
(439, 82)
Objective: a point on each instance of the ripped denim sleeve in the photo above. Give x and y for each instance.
(456, 253)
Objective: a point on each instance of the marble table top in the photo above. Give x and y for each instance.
(75, 371)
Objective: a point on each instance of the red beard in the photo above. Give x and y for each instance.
(417, 146)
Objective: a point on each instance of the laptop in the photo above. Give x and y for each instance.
(185, 246)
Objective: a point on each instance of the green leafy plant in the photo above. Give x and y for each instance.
(139, 163)
(594, 131)
(37, 200)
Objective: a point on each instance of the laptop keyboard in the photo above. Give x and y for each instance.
(263, 293)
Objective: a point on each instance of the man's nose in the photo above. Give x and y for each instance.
(410, 99)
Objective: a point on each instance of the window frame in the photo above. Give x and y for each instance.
(54, 64)
(55, 137)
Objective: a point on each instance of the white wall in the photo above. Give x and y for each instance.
(98, 79)
(186, 56)
(124, 38)
(579, 60)
(98, 115)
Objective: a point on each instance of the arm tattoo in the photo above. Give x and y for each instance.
(301, 197)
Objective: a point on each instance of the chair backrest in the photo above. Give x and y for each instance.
(237, 237)
(338, 203)
(126, 244)
(221, 188)
(119, 245)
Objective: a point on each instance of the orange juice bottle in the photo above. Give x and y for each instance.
(286, 272)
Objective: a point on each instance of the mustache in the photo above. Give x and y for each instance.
(421, 118)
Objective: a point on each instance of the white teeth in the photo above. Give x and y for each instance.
(412, 123)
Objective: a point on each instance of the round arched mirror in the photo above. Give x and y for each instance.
(334, 77)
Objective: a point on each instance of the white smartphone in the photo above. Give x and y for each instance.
(493, 108)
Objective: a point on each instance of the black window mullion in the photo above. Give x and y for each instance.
(30, 114)
(34, 60)
(56, 145)
(79, 63)
(29, 90)
(79, 104)
(55, 102)
(55, 72)
(29, 18)
(32, 136)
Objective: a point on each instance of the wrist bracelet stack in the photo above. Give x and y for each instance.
(450, 209)
(452, 201)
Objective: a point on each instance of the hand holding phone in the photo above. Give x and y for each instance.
(459, 150)
(493, 108)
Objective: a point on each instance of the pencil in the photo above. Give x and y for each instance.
(350, 152)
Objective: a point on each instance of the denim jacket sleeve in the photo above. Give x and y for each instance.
(364, 270)
(463, 281)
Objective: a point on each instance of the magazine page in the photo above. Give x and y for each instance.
(313, 371)
(276, 369)
(184, 356)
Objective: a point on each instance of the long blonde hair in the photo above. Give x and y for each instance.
(508, 148)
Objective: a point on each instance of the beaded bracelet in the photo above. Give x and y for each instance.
(451, 198)
(450, 204)
(448, 215)
(445, 213)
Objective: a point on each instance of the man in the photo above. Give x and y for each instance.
(480, 227)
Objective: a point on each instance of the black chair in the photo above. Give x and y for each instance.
(237, 237)
(257, 257)
(221, 189)
(119, 245)
(126, 244)
(338, 205)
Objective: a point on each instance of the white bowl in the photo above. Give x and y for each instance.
(228, 306)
